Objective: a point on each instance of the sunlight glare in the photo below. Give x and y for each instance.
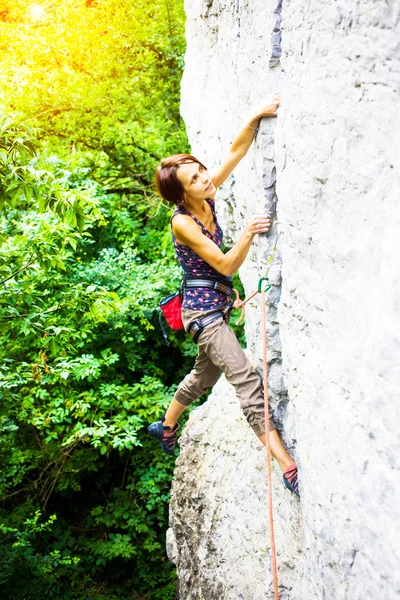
(37, 12)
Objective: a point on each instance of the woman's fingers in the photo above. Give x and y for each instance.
(262, 221)
(270, 105)
(260, 224)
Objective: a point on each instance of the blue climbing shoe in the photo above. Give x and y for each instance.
(166, 435)
(291, 479)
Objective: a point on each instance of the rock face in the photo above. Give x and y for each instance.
(328, 169)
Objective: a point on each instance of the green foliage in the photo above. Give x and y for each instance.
(102, 76)
(25, 572)
(85, 256)
(17, 147)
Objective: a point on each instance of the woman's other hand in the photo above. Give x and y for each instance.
(269, 108)
(258, 225)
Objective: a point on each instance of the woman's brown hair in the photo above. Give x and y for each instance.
(167, 182)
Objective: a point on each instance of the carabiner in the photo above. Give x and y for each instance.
(260, 284)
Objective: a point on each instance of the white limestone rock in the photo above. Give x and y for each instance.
(333, 310)
(219, 508)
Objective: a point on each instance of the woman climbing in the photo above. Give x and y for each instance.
(186, 183)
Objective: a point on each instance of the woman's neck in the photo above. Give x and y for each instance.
(196, 207)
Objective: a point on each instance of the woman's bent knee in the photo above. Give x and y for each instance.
(256, 420)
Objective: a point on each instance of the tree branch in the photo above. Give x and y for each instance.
(19, 271)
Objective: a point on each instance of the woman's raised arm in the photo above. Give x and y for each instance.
(243, 140)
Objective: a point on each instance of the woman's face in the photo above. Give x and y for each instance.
(196, 181)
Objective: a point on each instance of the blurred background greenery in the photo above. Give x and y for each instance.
(89, 103)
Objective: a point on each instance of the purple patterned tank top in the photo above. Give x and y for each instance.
(194, 266)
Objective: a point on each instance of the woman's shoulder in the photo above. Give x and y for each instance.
(178, 212)
(180, 220)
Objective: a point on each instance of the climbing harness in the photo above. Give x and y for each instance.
(171, 306)
(197, 327)
(221, 284)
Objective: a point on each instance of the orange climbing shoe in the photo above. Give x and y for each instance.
(290, 479)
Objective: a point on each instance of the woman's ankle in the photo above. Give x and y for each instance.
(169, 423)
(289, 467)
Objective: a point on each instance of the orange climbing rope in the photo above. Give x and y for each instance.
(268, 447)
(241, 304)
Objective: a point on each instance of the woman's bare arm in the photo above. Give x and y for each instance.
(243, 140)
(188, 233)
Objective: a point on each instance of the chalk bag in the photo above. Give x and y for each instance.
(171, 308)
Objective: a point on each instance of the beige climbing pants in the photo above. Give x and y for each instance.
(219, 350)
